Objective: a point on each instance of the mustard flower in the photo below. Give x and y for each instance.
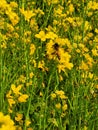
(23, 98)
(31, 74)
(64, 107)
(51, 35)
(41, 65)
(6, 123)
(53, 95)
(11, 102)
(41, 35)
(58, 105)
(28, 14)
(83, 66)
(18, 117)
(13, 4)
(16, 89)
(59, 92)
(71, 8)
(32, 49)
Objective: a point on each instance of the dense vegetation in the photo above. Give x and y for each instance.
(49, 65)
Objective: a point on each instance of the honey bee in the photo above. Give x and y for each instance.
(56, 46)
(56, 50)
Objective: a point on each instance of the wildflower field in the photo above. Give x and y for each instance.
(48, 65)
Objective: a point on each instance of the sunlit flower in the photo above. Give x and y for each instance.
(58, 105)
(28, 122)
(59, 92)
(64, 107)
(71, 8)
(53, 95)
(11, 101)
(23, 98)
(31, 75)
(32, 49)
(6, 123)
(51, 35)
(16, 90)
(18, 117)
(41, 35)
(28, 14)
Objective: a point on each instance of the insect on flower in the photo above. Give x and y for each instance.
(56, 50)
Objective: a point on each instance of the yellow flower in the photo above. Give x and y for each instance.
(41, 65)
(58, 105)
(13, 17)
(13, 4)
(51, 35)
(6, 123)
(41, 35)
(28, 122)
(11, 102)
(8, 95)
(16, 89)
(53, 95)
(22, 78)
(64, 107)
(31, 75)
(41, 94)
(3, 4)
(71, 8)
(90, 75)
(63, 62)
(23, 98)
(32, 49)
(96, 30)
(28, 14)
(95, 52)
(59, 92)
(83, 66)
(18, 117)
(63, 97)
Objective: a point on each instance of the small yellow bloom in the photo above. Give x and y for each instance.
(58, 105)
(64, 107)
(53, 95)
(32, 49)
(51, 35)
(41, 36)
(23, 98)
(11, 102)
(59, 92)
(16, 89)
(28, 14)
(96, 30)
(8, 95)
(13, 4)
(71, 8)
(28, 122)
(41, 94)
(18, 117)
(63, 97)
(31, 75)
(41, 65)
(90, 75)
